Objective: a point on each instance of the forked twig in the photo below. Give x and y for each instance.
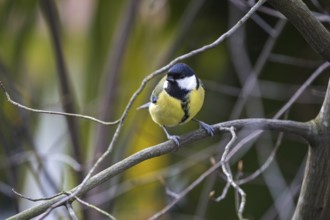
(226, 170)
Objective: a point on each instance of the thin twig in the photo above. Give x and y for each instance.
(265, 165)
(54, 112)
(309, 81)
(168, 191)
(95, 208)
(36, 199)
(62, 193)
(223, 194)
(226, 170)
(250, 84)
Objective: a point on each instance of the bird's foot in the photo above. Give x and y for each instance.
(174, 138)
(208, 128)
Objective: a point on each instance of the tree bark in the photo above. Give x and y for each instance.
(310, 28)
(314, 199)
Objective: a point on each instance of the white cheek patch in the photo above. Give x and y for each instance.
(188, 83)
(165, 85)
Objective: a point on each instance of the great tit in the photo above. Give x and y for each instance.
(176, 100)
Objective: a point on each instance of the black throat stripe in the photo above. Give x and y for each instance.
(175, 91)
(185, 108)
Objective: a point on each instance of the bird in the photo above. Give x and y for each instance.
(176, 100)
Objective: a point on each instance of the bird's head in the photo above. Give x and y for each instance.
(181, 75)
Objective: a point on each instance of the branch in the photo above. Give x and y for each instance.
(298, 128)
(266, 164)
(314, 198)
(316, 35)
(226, 170)
(9, 99)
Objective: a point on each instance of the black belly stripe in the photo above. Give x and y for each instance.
(185, 108)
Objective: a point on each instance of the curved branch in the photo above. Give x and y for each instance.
(316, 35)
(301, 129)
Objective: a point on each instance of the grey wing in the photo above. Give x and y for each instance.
(157, 90)
(154, 94)
(153, 98)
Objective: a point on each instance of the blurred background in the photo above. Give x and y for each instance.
(89, 57)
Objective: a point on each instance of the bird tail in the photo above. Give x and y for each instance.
(146, 105)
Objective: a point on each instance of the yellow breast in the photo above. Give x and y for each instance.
(168, 111)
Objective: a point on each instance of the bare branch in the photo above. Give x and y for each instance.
(226, 170)
(35, 199)
(306, 23)
(223, 194)
(298, 128)
(63, 193)
(310, 79)
(95, 208)
(265, 165)
(53, 112)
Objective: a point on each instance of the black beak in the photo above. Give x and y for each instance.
(170, 78)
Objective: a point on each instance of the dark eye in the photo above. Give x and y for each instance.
(180, 76)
